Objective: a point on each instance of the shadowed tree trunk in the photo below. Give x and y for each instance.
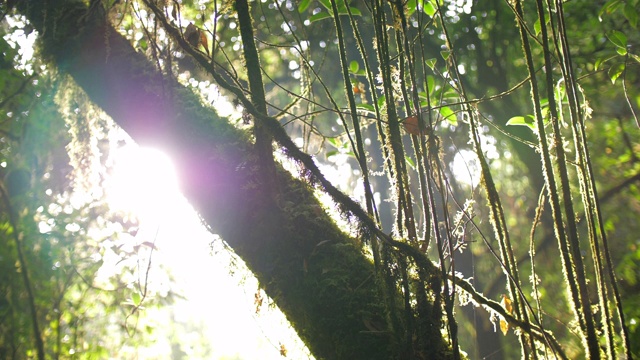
(316, 274)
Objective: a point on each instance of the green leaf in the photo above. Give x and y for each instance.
(522, 121)
(381, 101)
(635, 57)
(411, 7)
(431, 63)
(303, 5)
(354, 11)
(431, 83)
(335, 142)
(609, 7)
(449, 115)
(410, 162)
(445, 54)
(354, 66)
(618, 39)
(631, 14)
(367, 107)
(537, 27)
(319, 16)
(135, 298)
(428, 8)
(615, 72)
(327, 4)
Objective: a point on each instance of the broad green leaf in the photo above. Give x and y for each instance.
(303, 5)
(428, 8)
(631, 13)
(449, 115)
(319, 16)
(537, 27)
(618, 39)
(522, 121)
(445, 54)
(354, 66)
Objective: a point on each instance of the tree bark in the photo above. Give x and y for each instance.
(316, 274)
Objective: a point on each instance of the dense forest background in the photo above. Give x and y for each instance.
(414, 179)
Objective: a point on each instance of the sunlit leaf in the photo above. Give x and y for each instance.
(537, 27)
(506, 304)
(445, 54)
(410, 162)
(135, 298)
(449, 115)
(367, 107)
(429, 8)
(615, 72)
(354, 66)
(411, 7)
(381, 101)
(522, 121)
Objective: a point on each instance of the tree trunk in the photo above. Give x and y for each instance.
(317, 275)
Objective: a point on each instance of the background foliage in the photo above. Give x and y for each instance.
(455, 71)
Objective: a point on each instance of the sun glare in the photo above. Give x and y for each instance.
(143, 181)
(143, 184)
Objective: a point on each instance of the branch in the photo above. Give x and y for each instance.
(312, 173)
(538, 333)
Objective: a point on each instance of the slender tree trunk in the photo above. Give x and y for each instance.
(316, 274)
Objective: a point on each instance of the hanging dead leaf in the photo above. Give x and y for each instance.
(192, 35)
(174, 10)
(283, 350)
(412, 126)
(203, 41)
(257, 301)
(506, 304)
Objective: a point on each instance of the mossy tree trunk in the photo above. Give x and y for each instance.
(316, 274)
